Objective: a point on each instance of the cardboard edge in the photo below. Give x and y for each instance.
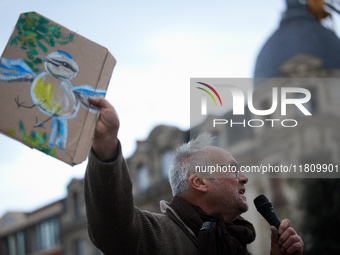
(86, 137)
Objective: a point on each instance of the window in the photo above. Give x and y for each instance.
(4, 245)
(75, 200)
(11, 245)
(80, 247)
(143, 178)
(166, 161)
(21, 243)
(47, 234)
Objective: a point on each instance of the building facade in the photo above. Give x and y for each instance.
(32, 233)
(56, 229)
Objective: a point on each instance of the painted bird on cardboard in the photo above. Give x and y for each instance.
(51, 91)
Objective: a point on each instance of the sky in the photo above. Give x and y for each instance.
(159, 45)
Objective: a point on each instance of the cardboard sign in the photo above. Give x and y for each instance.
(47, 73)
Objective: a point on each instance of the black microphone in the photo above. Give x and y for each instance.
(265, 207)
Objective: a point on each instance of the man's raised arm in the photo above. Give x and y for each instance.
(115, 226)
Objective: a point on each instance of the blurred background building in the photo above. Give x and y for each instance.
(301, 49)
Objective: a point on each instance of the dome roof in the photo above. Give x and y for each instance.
(299, 33)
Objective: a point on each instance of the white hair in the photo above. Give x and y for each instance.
(186, 154)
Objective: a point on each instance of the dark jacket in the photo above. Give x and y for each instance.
(116, 226)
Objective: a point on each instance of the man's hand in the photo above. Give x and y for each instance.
(288, 243)
(105, 140)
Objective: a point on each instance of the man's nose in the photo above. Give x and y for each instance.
(243, 178)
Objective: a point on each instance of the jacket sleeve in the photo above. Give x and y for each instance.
(115, 226)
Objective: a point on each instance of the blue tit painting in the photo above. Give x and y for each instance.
(52, 91)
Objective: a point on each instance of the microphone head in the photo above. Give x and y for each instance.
(260, 201)
(265, 208)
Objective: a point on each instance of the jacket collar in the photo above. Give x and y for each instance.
(166, 209)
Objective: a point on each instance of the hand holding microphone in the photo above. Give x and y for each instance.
(285, 240)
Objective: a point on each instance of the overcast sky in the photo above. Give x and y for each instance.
(159, 46)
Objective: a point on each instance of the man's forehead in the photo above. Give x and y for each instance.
(217, 155)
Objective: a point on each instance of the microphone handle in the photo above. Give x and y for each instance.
(265, 208)
(276, 223)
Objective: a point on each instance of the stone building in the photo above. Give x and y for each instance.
(149, 166)
(300, 53)
(73, 232)
(56, 229)
(33, 233)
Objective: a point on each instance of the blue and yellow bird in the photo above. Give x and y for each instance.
(51, 91)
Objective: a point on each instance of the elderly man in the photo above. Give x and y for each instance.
(203, 217)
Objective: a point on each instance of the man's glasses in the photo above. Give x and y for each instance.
(232, 168)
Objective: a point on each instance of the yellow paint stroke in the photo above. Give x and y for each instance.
(11, 131)
(44, 93)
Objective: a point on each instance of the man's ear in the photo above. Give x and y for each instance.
(198, 183)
